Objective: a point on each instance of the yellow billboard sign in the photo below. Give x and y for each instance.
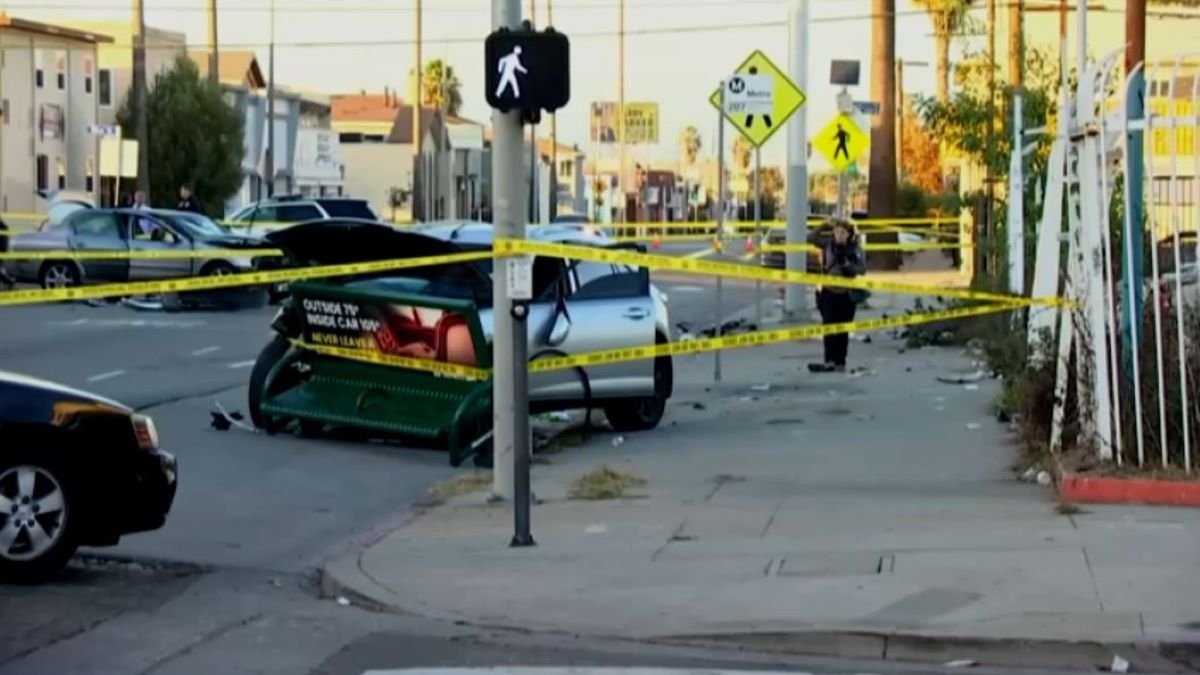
(641, 123)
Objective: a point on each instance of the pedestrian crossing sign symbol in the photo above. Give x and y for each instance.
(752, 118)
(842, 142)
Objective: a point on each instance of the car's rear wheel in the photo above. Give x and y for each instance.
(37, 526)
(271, 354)
(58, 274)
(643, 414)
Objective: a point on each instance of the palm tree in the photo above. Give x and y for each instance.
(440, 87)
(741, 153)
(689, 145)
(948, 17)
(881, 195)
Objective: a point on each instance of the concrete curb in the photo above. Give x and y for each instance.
(1110, 490)
(345, 578)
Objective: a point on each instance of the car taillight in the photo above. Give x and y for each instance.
(146, 432)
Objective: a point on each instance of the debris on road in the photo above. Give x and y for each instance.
(223, 420)
(960, 663)
(760, 387)
(1119, 665)
(1043, 478)
(603, 483)
(974, 426)
(618, 441)
(343, 601)
(977, 376)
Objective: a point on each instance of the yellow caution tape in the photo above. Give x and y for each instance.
(742, 226)
(750, 272)
(262, 278)
(367, 356)
(144, 255)
(798, 248)
(639, 353)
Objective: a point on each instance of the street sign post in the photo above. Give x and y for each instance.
(102, 131)
(757, 99)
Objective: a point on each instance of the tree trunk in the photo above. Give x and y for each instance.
(942, 44)
(882, 186)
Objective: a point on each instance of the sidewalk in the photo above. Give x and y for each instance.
(880, 503)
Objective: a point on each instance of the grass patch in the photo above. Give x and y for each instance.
(604, 483)
(462, 484)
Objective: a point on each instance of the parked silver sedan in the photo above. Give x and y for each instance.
(89, 229)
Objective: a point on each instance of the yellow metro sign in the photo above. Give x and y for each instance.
(786, 99)
(841, 142)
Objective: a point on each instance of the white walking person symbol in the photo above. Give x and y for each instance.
(509, 66)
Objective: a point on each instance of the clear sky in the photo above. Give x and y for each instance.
(676, 50)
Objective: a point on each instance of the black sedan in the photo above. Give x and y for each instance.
(76, 470)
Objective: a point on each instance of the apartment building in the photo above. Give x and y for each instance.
(48, 97)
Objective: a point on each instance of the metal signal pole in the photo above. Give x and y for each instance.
(270, 163)
(214, 56)
(141, 125)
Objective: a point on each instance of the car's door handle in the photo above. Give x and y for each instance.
(636, 313)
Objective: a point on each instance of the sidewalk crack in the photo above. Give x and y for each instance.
(674, 536)
(771, 519)
(1092, 576)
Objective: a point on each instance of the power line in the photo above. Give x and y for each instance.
(473, 39)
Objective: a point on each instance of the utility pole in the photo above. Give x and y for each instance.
(553, 215)
(1132, 234)
(141, 126)
(899, 121)
(989, 207)
(214, 55)
(420, 180)
(510, 407)
(534, 155)
(270, 163)
(621, 193)
(882, 187)
(1016, 43)
(795, 296)
(1016, 172)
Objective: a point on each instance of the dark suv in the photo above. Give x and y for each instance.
(300, 209)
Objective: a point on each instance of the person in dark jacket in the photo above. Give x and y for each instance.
(187, 202)
(841, 257)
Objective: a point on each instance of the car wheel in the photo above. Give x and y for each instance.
(643, 414)
(37, 526)
(58, 274)
(273, 353)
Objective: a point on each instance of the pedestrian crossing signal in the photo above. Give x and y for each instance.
(527, 70)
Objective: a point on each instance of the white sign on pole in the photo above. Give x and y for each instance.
(103, 130)
(520, 277)
(750, 94)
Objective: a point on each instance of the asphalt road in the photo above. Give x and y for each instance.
(233, 568)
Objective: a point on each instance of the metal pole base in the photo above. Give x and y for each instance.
(522, 541)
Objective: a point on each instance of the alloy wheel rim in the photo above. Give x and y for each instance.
(33, 513)
(58, 276)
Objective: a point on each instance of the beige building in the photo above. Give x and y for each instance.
(114, 78)
(48, 97)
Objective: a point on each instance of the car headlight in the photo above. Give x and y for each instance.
(145, 432)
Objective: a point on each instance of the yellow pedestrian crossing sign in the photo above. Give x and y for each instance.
(841, 142)
(759, 98)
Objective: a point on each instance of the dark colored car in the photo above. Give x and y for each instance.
(76, 469)
(289, 209)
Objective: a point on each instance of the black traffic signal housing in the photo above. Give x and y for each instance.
(527, 70)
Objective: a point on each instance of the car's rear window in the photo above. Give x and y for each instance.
(347, 208)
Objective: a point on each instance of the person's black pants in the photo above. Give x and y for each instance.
(836, 308)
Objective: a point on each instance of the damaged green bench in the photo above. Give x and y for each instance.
(374, 317)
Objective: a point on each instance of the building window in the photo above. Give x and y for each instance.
(566, 168)
(62, 175)
(87, 84)
(89, 180)
(39, 78)
(62, 81)
(42, 179)
(105, 85)
(4, 110)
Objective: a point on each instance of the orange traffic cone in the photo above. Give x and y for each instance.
(750, 247)
(656, 243)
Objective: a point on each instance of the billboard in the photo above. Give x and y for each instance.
(413, 331)
(641, 123)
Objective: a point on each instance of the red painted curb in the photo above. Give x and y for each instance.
(1108, 490)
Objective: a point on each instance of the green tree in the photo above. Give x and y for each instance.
(948, 17)
(194, 137)
(440, 87)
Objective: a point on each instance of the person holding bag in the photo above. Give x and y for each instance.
(841, 257)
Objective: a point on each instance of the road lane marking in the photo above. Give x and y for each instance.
(240, 364)
(106, 376)
(702, 253)
(687, 289)
(206, 350)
